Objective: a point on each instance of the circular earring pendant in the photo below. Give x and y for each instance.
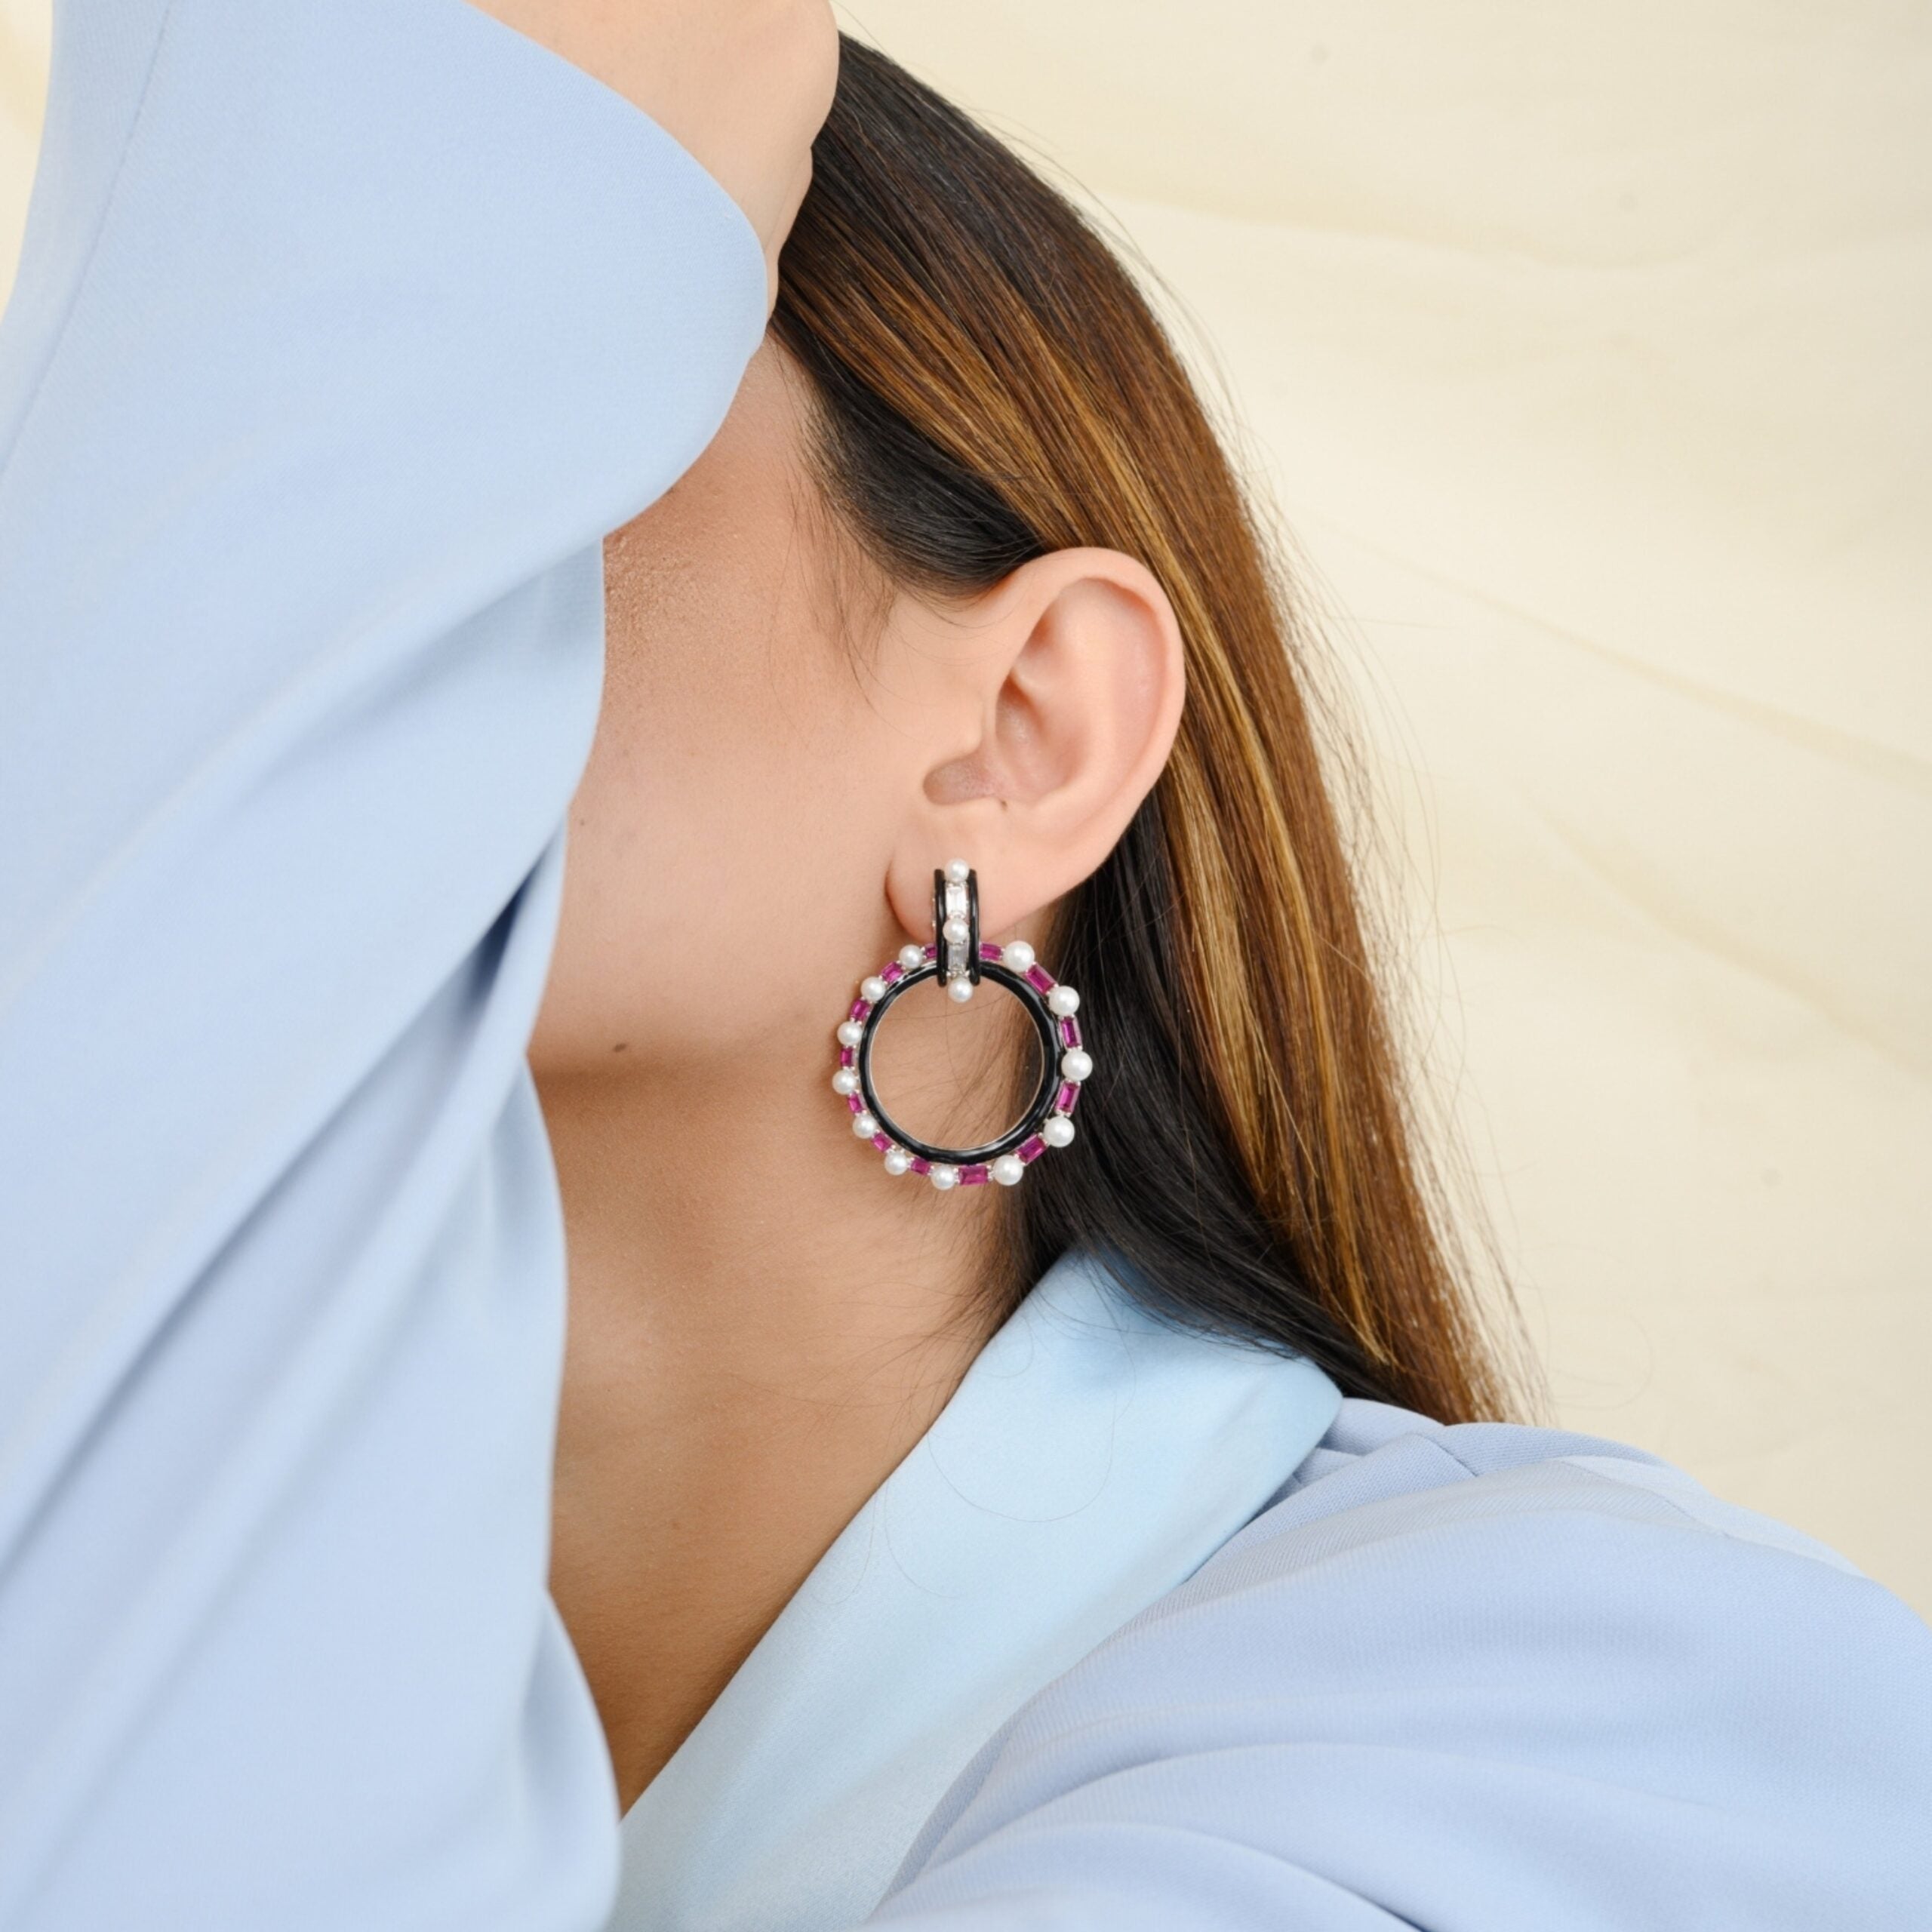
(961, 962)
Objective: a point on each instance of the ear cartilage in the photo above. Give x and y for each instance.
(959, 960)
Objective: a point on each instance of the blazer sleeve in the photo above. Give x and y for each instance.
(342, 334)
(1448, 1689)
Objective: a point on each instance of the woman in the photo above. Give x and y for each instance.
(1159, 1484)
(966, 540)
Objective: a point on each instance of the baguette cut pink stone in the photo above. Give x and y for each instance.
(973, 1176)
(883, 1142)
(1038, 978)
(920, 1165)
(860, 1009)
(894, 971)
(1069, 1032)
(988, 950)
(855, 1104)
(1063, 1100)
(848, 1056)
(1031, 1148)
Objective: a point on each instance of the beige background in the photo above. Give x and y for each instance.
(1583, 348)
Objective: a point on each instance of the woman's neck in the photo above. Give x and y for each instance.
(761, 1325)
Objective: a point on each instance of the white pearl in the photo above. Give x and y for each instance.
(872, 989)
(912, 957)
(865, 1126)
(1063, 1000)
(850, 1032)
(846, 1080)
(1018, 954)
(957, 870)
(1007, 1169)
(942, 1175)
(897, 1160)
(959, 990)
(1057, 1130)
(956, 931)
(1075, 1065)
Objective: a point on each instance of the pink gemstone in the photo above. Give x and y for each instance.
(848, 1056)
(1069, 1032)
(1069, 1093)
(930, 951)
(973, 1176)
(920, 1165)
(1031, 1148)
(855, 1104)
(883, 1142)
(894, 971)
(988, 950)
(1039, 976)
(860, 1009)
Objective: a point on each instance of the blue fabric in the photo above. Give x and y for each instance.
(1478, 1679)
(344, 334)
(1092, 1459)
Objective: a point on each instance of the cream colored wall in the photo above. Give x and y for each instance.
(1583, 348)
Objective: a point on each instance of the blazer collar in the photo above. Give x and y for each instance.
(1091, 1461)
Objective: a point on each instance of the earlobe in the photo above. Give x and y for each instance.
(1079, 671)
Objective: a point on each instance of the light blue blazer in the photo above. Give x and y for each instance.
(342, 334)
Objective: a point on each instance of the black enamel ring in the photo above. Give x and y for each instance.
(1045, 1026)
(1048, 1121)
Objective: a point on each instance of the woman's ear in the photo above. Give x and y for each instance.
(1068, 680)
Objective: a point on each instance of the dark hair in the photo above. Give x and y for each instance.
(989, 384)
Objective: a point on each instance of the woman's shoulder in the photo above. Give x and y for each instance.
(1432, 1473)
(1486, 1673)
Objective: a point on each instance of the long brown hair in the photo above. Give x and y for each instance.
(989, 384)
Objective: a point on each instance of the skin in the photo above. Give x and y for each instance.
(761, 1322)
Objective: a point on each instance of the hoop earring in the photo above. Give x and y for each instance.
(957, 958)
